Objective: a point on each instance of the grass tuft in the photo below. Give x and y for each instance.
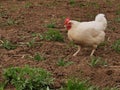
(62, 62)
(116, 46)
(28, 5)
(72, 2)
(51, 25)
(11, 22)
(96, 61)
(78, 85)
(31, 43)
(28, 78)
(38, 57)
(53, 35)
(8, 45)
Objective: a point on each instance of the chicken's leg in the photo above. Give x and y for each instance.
(77, 51)
(93, 50)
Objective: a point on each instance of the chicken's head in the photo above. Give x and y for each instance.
(67, 23)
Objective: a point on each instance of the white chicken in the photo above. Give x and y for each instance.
(86, 33)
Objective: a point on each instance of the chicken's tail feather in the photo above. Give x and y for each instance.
(101, 18)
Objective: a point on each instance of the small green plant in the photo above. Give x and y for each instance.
(53, 35)
(41, 37)
(75, 84)
(118, 12)
(61, 62)
(11, 22)
(71, 44)
(3, 14)
(97, 61)
(94, 61)
(79, 85)
(2, 86)
(31, 43)
(117, 19)
(109, 2)
(35, 35)
(51, 25)
(28, 5)
(38, 57)
(8, 45)
(72, 2)
(28, 78)
(116, 46)
(94, 4)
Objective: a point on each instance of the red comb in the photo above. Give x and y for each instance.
(67, 20)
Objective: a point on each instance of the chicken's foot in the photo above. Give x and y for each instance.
(77, 51)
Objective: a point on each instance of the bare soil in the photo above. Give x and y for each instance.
(34, 18)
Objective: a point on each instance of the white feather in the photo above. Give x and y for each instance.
(88, 33)
(100, 23)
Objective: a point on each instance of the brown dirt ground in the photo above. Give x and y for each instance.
(42, 12)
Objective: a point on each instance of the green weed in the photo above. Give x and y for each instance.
(109, 2)
(31, 43)
(95, 5)
(61, 62)
(27, 78)
(51, 25)
(117, 19)
(116, 46)
(53, 35)
(38, 57)
(8, 45)
(95, 61)
(35, 35)
(3, 14)
(79, 85)
(118, 12)
(75, 84)
(11, 22)
(2, 86)
(41, 37)
(28, 5)
(71, 44)
(72, 2)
